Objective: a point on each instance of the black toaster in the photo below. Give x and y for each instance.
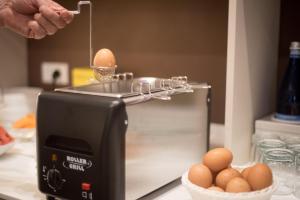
(119, 139)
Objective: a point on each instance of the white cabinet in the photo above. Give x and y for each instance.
(253, 35)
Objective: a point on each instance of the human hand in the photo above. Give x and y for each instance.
(34, 18)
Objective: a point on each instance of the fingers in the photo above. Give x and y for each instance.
(60, 18)
(64, 14)
(50, 17)
(67, 16)
(47, 26)
(49, 20)
(36, 30)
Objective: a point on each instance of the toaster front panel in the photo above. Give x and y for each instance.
(67, 174)
(81, 146)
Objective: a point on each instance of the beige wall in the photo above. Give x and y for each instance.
(13, 59)
(150, 38)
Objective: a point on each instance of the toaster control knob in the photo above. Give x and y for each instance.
(54, 179)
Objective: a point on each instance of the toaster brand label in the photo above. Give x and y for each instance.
(77, 164)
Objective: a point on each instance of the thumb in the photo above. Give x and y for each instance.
(50, 3)
(60, 10)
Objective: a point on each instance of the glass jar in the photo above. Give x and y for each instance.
(266, 144)
(294, 147)
(256, 138)
(291, 140)
(297, 182)
(282, 163)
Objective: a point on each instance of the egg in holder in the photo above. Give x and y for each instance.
(104, 65)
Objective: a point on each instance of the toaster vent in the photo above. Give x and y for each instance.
(69, 144)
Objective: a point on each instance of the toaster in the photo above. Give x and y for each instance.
(122, 138)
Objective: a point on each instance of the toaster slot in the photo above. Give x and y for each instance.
(69, 144)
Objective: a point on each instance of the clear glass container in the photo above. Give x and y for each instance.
(297, 182)
(291, 140)
(265, 144)
(256, 138)
(294, 147)
(282, 163)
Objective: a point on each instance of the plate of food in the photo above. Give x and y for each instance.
(24, 127)
(6, 141)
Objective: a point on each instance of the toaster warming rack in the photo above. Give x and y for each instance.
(134, 90)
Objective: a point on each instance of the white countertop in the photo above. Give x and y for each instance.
(18, 177)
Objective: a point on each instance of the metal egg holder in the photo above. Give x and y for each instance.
(77, 12)
(149, 90)
(167, 87)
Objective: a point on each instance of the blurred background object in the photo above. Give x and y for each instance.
(13, 59)
(1, 96)
(149, 38)
(288, 102)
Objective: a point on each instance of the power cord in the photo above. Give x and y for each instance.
(55, 75)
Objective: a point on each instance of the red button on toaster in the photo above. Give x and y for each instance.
(86, 186)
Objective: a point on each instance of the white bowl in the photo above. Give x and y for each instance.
(23, 133)
(199, 193)
(4, 148)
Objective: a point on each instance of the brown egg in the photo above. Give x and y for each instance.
(215, 188)
(104, 58)
(260, 176)
(225, 176)
(245, 172)
(214, 175)
(200, 175)
(217, 159)
(237, 185)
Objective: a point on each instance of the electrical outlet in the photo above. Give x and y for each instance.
(48, 68)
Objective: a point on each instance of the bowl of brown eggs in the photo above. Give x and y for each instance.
(215, 179)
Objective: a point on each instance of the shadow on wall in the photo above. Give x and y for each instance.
(262, 70)
(13, 59)
(149, 38)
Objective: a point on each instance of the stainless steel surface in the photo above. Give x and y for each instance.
(118, 89)
(163, 139)
(142, 89)
(167, 127)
